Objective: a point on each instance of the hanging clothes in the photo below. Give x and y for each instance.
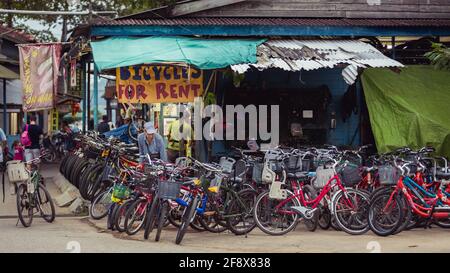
(349, 102)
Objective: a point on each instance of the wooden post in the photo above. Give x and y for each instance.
(5, 114)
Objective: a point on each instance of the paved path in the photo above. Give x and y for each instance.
(9, 208)
(67, 232)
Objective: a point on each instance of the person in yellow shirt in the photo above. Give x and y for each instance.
(180, 137)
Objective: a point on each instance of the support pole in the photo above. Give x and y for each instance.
(393, 47)
(5, 114)
(95, 97)
(88, 96)
(84, 95)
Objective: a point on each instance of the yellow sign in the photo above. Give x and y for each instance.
(158, 83)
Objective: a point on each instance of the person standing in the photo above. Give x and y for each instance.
(180, 137)
(151, 143)
(32, 151)
(103, 127)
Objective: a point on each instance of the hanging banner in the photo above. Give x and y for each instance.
(158, 83)
(39, 72)
(73, 75)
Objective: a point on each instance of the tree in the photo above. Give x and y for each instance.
(439, 56)
(123, 7)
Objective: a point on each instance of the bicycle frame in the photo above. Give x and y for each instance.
(298, 194)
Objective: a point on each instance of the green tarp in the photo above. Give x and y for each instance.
(410, 108)
(200, 52)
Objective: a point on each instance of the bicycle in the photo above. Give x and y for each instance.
(32, 197)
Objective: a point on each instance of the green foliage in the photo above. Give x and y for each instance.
(123, 7)
(439, 56)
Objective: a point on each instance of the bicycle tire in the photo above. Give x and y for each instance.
(249, 195)
(373, 218)
(363, 227)
(120, 215)
(131, 211)
(48, 218)
(258, 218)
(98, 198)
(21, 201)
(188, 215)
(161, 219)
(151, 215)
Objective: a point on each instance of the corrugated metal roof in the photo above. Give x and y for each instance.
(297, 54)
(16, 35)
(240, 21)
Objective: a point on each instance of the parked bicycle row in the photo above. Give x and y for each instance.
(273, 190)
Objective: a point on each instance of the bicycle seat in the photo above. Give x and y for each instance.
(442, 175)
(298, 175)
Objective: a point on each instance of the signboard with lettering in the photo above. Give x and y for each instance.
(158, 83)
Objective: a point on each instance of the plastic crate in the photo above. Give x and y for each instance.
(168, 189)
(16, 171)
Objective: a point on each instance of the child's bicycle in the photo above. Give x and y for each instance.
(33, 197)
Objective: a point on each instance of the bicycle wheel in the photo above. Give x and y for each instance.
(101, 204)
(135, 216)
(385, 214)
(243, 222)
(407, 215)
(174, 216)
(24, 208)
(272, 220)
(187, 217)
(45, 204)
(350, 211)
(151, 217)
(324, 218)
(119, 217)
(162, 218)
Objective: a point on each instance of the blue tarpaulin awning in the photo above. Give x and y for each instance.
(203, 53)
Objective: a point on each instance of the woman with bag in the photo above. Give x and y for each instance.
(30, 139)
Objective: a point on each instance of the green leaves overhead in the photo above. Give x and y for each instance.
(439, 56)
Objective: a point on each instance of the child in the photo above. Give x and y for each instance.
(18, 150)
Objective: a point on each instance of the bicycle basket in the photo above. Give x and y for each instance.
(16, 171)
(169, 189)
(120, 192)
(322, 177)
(293, 163)
(257, 172)
(349, 175)
(388, 175)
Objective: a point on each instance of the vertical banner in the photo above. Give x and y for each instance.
(53, 120)
(39, 73)
(73, 75)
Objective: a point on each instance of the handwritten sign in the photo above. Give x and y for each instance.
(158, 83)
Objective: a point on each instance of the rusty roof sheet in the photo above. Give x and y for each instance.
(298, 54)
(241, 21)
(16, 35)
